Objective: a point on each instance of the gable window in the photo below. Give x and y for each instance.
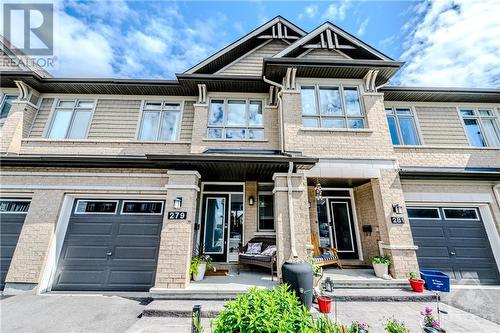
(160, 121)
(481, 126)
(331, 107)
(235, 119)
(402, 126)
(71, 119)
(5, 105)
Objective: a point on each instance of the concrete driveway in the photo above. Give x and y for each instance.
(68, 313)
(483, 301)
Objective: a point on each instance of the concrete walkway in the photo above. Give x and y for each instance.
(373, 313)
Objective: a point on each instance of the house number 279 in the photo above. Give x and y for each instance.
(177, 215)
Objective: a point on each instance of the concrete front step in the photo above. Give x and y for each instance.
(177, 305)
(371, 284)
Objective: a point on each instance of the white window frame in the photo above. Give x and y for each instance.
(2, 103)
(345, 116)
(478, 218)
(439, 218)
(20, 200)
(413, 115)
(142, 201)
(54, 110)
(93, 213)
(259, 193)
(479, 119)
(246, 127)
(162, 111)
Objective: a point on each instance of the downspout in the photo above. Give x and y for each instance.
(294, 255)
(280, 112)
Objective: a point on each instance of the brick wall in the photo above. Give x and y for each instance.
(250, 223)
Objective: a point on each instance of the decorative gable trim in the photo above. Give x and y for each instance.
(328, 36)
(271, 30)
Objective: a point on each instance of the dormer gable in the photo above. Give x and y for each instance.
(330, 38)
(267, 37)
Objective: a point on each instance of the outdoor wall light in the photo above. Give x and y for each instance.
(396, 208)
(177, 203)
(251, 201)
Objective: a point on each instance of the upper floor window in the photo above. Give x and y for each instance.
(235, 119)
(331, 107)
(71, 119)
(402, 126)
(481, 126)
(160, 121)
(5, 105)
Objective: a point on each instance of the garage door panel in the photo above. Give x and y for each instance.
(138, 229)
(135, 252)
(11, 225)
(117, 252)
(476, 253)
(464, 252)
(428, 232)
(91, 228)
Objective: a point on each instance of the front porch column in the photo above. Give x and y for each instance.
(396, 238)
(176, 243)
(282, 214)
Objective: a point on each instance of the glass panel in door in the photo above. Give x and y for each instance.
(325, 230)
(343, 225)
(236, 226)
(215, 216)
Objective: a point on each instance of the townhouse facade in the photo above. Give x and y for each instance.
(113, 184)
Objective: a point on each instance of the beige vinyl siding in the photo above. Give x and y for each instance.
(441, 126)
(115, 119)
(251, 64)
(323, 54)
(41, 118)
(187, 121)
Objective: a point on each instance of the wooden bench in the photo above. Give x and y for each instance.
(324, 256)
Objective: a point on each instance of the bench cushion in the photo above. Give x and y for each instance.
(256, 257)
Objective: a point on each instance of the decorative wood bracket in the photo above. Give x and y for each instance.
(202, 94)
(369, 80)
(289, 79)
(273, 96)
(26, 93)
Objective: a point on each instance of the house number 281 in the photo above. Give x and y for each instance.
(177, 215)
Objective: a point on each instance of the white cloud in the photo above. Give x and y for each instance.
(337, 11)
(310, 11)
(109, 39)
(454, 43)
(362, 27)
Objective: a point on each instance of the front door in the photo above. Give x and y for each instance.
(215, 226)
(342, 222)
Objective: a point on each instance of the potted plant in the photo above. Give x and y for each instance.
(416, 283)
(381, 265)
(358, 327)
(395, 326)
(199, 265)
(429, 323)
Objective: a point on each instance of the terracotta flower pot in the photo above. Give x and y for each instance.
(325, 304)
(417, 285)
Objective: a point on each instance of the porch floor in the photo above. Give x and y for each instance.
(233, 281)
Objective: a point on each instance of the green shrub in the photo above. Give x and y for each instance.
(271, 311)
(394, 326)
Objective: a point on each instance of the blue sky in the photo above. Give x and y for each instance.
(444, 42)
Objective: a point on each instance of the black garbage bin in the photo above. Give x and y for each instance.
(300, 278)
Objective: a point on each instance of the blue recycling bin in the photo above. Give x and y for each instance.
(436, 281)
